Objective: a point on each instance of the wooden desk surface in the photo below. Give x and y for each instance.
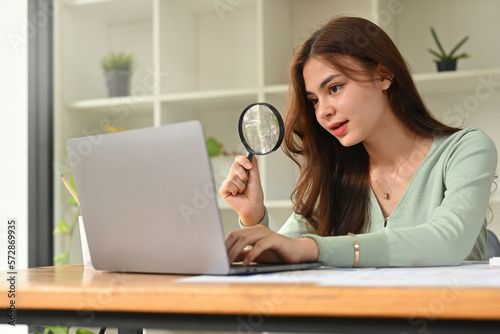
(72, 287)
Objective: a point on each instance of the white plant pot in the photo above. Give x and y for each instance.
(220, 167)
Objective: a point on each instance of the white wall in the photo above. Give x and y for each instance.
(14, 134)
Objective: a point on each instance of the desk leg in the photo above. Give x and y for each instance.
(129, 331)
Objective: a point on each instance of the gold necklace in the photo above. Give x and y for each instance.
(385, 194)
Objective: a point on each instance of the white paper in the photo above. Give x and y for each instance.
(469, 274)
(475, 274)
(297, 276)
(495, 261)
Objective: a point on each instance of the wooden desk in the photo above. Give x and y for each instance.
(72, 295)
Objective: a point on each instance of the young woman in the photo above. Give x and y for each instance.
(382, 182)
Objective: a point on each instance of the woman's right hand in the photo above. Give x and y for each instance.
(242, 190)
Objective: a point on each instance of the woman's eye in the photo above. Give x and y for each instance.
(313, 101)
(335, 88)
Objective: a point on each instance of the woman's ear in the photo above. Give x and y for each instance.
(385, 76)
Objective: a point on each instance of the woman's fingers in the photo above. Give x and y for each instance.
(274, 248)
(236, 241)
(243, 161)
(242, 190)
(267, 256)
(266, 246)
(260, 248)
(236, 180)
(233, 185)
(240, 167)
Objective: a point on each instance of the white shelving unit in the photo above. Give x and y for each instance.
(209, 59)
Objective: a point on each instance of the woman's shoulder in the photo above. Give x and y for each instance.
(469, 137)
(470, 145)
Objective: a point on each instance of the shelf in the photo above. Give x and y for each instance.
(98, 27)
(434, 83)
(122, 11)
(454, 81)
(279, 204)
(130, 105)
(199, 95)
(204, 47)
(276, 89)
(429, 84)
(212, 99)
(221, 7)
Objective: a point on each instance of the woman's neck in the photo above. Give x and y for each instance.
(390, 145)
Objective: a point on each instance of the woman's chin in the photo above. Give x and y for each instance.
(347, 141)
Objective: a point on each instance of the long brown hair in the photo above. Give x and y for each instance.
(332, 193)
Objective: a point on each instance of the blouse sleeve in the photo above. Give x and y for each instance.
(294, 227)
(264, 221)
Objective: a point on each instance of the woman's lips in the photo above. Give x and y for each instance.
(339, 128)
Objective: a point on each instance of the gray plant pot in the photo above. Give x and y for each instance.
(118, 83)
(446, 65)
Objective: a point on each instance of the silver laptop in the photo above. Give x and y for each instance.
(148, 203)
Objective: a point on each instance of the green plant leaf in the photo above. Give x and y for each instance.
(434, 53)
(72, 181)
(213, 147)
(462, 55)
(55, 330)
(444, 55)
(61, 228)
(61, 257)
(121, 61)
(72, 201)
(83, 331)
(458, 46)
(436, 39)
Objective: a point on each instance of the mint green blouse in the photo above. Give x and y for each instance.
(440, 220)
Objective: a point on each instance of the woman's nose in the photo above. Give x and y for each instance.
(325, 109)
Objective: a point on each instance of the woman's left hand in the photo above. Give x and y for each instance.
(269, 247)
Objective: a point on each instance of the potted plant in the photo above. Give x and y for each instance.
(447, 61)
(117, 69)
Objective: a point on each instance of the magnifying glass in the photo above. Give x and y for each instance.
(261, 129)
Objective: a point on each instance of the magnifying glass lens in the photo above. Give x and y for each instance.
(261, 129)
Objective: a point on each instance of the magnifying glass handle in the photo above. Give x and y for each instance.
(249, 157)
